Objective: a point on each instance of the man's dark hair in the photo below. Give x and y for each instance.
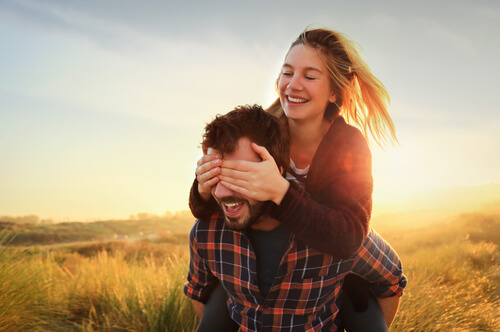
(262, 128)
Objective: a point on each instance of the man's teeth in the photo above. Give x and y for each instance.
(296, 100)
(232, 204)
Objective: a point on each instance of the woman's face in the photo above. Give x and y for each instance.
(304, 84)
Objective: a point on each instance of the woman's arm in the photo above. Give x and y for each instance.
(333, 215)
(200, 208)
(201, 202)
(337, 230)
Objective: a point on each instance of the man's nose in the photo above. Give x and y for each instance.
(221, 191)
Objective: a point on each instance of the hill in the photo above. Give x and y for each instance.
(148, 226)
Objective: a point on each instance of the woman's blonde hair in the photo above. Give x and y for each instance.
(361, 98)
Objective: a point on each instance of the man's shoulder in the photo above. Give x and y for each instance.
(377, 247)
(207, 227)
(372, 239)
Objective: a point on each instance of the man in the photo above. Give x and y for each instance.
(274, 282)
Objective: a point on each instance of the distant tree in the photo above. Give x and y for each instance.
(29, 219)
(143, 216)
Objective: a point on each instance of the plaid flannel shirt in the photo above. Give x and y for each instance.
(305, 292)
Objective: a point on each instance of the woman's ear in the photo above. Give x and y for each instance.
(333, 98)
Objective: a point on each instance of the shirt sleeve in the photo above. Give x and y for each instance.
(200, 280)
(333, 214)
(200, 208)
(379, 264)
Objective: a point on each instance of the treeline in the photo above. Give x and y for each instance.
(33, 219)
(21, 233)
(29, 219)
(167, 216)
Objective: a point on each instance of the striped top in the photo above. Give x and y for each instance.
(307, 285)
(297, 174)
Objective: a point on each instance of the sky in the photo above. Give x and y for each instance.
(103, 103)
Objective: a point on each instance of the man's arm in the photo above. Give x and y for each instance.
(200, 280)
(198, 308)
(389, 307)
(384, 273)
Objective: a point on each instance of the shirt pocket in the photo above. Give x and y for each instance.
(317, 265)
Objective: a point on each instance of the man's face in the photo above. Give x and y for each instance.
(240, 212)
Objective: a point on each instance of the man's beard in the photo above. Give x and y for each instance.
(255, 211)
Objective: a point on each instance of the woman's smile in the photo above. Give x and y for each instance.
(296, 100)
(304, 84)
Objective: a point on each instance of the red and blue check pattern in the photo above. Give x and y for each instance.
(307, 285)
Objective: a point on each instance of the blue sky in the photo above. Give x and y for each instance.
(102, 103)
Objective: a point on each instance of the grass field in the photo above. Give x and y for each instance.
(453, 269)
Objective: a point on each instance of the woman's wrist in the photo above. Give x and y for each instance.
(282, 189)
(203, 194)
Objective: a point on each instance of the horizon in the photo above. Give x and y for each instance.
(102, 106)
(459, 199)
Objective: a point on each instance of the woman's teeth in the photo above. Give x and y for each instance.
(296, 100)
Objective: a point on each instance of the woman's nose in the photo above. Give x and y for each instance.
(294, 83)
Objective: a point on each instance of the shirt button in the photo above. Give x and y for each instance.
(266, 306)
(253, 281)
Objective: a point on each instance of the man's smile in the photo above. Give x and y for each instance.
(233, 209)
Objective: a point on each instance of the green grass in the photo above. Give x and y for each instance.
(453, 270)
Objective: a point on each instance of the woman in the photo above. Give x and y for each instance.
(326, 198)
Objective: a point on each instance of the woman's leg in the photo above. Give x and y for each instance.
(370, 320)
(359, 310)
(216, 315)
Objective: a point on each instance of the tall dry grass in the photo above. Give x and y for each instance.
(110, 291)
(454, 275)
(26, 285)
(453, 271)
(24, 292)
